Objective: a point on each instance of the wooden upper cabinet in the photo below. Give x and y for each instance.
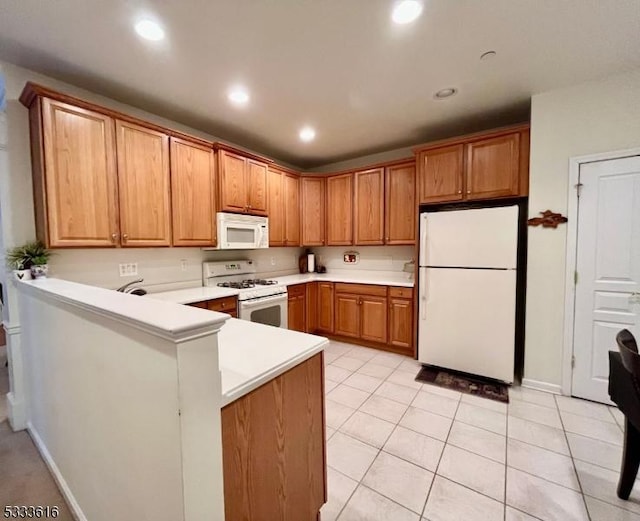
(144, 185)
(292, 210)
(276, 207)
(493, 167)
(340, 210)
(369, 207)
(75, 176)
(440, 174)
(232, 182)
(192, 194)
(312, 190)
(256, 183)
(400, 204)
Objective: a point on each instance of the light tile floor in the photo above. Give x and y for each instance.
(401, 450)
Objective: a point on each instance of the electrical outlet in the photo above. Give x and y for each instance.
(129, 269)
(273, 261)
(183, 264)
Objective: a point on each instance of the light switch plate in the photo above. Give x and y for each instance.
(183, 264)
(129, 269)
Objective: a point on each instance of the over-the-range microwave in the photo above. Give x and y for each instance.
(242, 232)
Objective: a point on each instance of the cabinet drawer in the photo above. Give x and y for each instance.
(225, 305)
(400, 292)
(201, 305)
(297, 290)
(362, 289)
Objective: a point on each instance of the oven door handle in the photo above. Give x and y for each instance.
(248, 304)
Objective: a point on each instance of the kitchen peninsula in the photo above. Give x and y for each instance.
(195, 407)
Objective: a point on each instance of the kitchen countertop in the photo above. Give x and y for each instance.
(200, 293)
(252, 354)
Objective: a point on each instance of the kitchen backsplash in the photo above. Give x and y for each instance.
(174, 268)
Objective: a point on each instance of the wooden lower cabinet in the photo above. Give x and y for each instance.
(325, 307)
(273, 448)
(373, 319)
(312, 307)
(297, 307)
(227, 305)
(347, 315)
(400, 322)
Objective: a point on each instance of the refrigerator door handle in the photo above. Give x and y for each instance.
(423, 296)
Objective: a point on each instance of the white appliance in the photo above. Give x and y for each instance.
(467, 290)
(259, 300)
(242, 232)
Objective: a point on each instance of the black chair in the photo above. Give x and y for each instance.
(624, 390)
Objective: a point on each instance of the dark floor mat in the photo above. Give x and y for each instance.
(464, 383)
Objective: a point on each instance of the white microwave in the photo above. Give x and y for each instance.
(242, 232)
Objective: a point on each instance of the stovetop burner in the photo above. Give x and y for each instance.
(247, 283)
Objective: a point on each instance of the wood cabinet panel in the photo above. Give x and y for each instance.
(291, 210)
(401, 322)
(313, 211)
(493, 167)
(347, 315)
(192, 194)
(231, 182)
(276, 473)
(361, 289)
(373, 318)
(223, 305)
(325, 307)
(256, 186)
(401, 292)
(340, 210)
(143, 185)
(400, 204)
(369, 207)
(277, 201)
(297, 307)
(312, 307)
(202, 305)
(77, 204)
(440, 174)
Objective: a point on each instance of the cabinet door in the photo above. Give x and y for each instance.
(292, 210)
(297, 313)
(325, 307)
(400, 323)
(340, 210)
(400, 204)
(493, 167)
(312, 307)
(369, 207)
(256, 184)
(440, 174)
(373, 318)
(277, 201)
(347, 315)
(313, 214)
(144, 185)
(192, 194)
(80, 177)
(232, 182)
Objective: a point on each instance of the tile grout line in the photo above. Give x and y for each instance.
(573, 463)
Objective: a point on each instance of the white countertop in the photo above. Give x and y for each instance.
(200, 293)
(251, 354)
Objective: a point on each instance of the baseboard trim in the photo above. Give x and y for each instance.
(541, 386)
(76, 511)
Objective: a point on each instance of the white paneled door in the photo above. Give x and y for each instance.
(608, 269)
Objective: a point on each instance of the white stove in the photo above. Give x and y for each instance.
(259, 300)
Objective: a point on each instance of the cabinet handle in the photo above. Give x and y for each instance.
(249, 206)
(125, 237)
(460, 191)
(468, 191)
(223, 304)
(114, 236)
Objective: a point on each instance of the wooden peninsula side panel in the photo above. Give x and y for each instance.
(273, 442)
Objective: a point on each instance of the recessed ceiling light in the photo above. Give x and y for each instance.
(406, 11)
(239, 96)
(445, 93)
(488, 55)
(307, 134)
(149, 30)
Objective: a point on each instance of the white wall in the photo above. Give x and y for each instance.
(594, 117)
(372, 258)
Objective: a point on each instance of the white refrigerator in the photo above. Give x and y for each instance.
(467, 290)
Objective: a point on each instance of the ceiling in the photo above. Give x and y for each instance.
(342, 66)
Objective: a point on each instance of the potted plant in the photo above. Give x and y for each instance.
(29, 260)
